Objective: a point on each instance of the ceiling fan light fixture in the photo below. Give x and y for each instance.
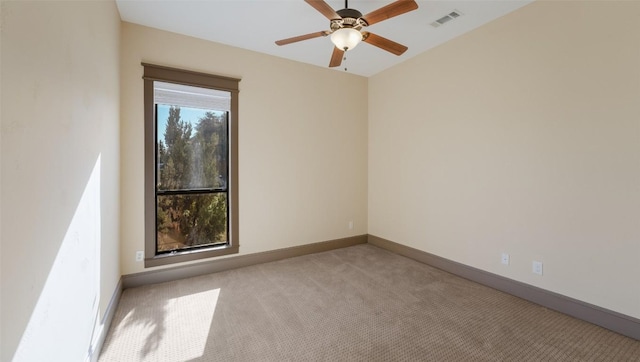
(346, 38)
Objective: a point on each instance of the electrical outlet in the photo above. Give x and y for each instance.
(537, 267)
(350, 225)
(505, 259)
(139, 255)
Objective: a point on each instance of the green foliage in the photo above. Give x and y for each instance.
(188, 161)
(211, 135)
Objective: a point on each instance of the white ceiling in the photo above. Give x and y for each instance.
(257, 24)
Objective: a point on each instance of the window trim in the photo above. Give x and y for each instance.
(173, 75)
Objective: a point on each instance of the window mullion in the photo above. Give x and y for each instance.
(191, 192)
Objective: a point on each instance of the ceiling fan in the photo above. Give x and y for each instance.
(346, 27)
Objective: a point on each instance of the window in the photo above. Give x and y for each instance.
(191, 159)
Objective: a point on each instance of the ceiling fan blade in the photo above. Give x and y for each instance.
(336, 57)
(396, 8)
(302, 37)
(383, 43)
(324, 9)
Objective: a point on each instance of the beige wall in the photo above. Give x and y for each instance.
(302, 146)
(60, 175)
(521, 137)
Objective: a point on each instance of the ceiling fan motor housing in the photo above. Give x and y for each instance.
(350, 18)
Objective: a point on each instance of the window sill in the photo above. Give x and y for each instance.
(191, 255)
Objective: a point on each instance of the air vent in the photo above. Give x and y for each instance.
(451, 16)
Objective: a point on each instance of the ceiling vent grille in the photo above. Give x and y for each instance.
(451, 16)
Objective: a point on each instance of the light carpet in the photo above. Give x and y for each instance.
(360, 303)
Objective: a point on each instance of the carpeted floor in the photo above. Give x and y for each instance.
(359, 303)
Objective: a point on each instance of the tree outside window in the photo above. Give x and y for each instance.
(190, 148)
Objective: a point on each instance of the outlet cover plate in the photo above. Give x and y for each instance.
(537, 267)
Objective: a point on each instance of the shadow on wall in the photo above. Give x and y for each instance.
(68, 307)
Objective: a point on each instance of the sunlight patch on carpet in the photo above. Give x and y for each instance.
(187, 325)
(168, 328)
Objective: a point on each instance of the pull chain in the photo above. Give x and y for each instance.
(344, 60)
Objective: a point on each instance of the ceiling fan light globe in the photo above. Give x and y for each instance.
(346, 38)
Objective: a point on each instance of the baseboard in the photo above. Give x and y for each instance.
(617, 322)
(214, 266)
(105, 324)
